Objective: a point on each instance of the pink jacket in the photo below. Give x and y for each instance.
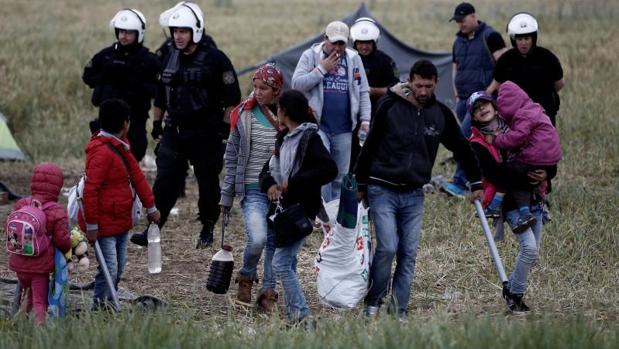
(531, 134)
(47, 180)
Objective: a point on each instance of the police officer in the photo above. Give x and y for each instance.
(198, 89)
(126, 70)
(161, 53)
(164, 18)
(380, 68)
(534, 68)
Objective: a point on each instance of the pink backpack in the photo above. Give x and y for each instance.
(26, 230)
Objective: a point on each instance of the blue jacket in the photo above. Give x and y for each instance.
(474, 61)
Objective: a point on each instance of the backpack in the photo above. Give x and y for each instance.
(26, 230)
(75, 206)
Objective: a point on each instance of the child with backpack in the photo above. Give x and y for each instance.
(113, 178)
(37, 225)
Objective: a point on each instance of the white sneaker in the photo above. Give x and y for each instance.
(371, 311)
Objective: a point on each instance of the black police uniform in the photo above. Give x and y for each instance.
(168, 45)
(161, 53)
(128, 73)
(195, 90)
(536, 74)
(381, 71)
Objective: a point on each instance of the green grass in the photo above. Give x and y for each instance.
(573, 289)
(163, 331)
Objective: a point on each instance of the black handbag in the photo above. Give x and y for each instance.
(290, 224)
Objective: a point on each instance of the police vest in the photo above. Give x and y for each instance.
(186, 82)
(475, 63)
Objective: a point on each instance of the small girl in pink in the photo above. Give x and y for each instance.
(33, 272)
(531, 140)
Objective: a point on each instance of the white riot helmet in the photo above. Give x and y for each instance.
(129, 19)
(164, 17)
(188, 15)
(364, 29)
(522, 24)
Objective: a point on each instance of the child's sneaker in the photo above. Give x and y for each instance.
(371, 311)
(524, 223)
(454, 190)
(492, 212)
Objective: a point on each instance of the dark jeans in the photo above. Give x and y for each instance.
(200, 147)
(459, 177)
(137, 135)
(518, 182)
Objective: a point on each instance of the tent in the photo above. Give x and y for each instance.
(404, 56)
(9, 150)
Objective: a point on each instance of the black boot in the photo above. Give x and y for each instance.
(206, 237)
(140, 239)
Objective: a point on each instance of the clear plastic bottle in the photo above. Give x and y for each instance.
(154, 249)
(362, 136)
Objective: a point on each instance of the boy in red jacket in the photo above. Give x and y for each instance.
(33, 272)
(112, 177)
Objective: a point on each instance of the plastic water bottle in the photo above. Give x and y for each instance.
(362, 136)
(154, 249)
(220, 273)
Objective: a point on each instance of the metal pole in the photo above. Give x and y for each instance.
(223, 228)
(491, 245)
(106, 273)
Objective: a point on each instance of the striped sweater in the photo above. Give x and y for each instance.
(249, 146)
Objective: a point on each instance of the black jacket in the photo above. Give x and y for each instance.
(316, 169)
(381, 71)
(403, 141)
(127, 73)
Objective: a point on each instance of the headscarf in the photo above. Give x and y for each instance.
(270, 75)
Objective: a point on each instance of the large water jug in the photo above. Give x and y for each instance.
(220, 272)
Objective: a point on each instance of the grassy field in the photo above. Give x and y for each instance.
(455, 303)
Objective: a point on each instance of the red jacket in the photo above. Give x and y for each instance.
(108, 199)
(489, 188)
(47, 180)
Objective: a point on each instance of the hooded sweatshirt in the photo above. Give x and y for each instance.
(47, 180)
(403, 141)
(531, 136)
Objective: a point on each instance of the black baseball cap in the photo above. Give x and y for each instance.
(461, 11)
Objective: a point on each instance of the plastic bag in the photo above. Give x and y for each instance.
(343, 260)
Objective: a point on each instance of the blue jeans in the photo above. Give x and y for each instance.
(114, 249)
(284, 266)
(339, 146)
(530, 243)
(259, 236)
(459, 177)
(397, 217)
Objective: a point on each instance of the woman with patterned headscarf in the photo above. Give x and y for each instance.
(250, 145)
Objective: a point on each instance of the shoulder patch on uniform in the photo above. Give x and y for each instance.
(228, 77)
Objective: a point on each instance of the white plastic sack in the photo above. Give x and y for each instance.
(76, 195)
(343, 260)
